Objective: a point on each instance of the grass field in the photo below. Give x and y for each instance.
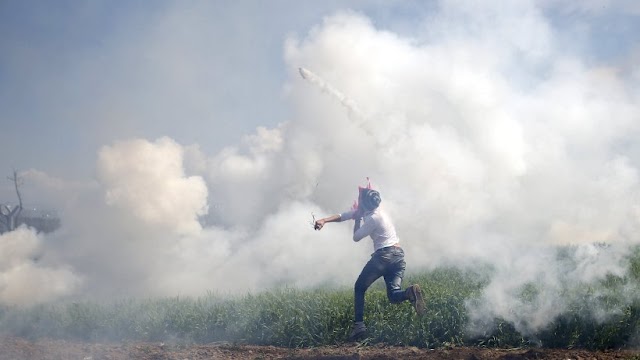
(313, 317)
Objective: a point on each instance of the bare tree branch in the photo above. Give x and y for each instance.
(15, 180)
(8, 215)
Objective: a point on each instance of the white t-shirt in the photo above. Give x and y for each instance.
(377, 225)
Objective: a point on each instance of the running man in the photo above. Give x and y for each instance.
(387, 260)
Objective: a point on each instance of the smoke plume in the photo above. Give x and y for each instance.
(488, 139)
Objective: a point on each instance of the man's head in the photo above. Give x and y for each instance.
(370, 199)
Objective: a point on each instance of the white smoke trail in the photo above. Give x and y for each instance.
(354, 113)
(351, 106)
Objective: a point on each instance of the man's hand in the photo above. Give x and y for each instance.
(319, 224)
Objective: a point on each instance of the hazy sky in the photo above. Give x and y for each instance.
(77, 75)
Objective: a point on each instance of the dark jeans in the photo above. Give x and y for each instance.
(388, 262)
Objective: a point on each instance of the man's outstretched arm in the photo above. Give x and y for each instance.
(320, 223)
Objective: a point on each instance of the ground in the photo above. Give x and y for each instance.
(12, 348)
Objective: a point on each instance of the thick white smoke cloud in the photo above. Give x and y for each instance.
(487, 140)
(148, 180)
(26, 278)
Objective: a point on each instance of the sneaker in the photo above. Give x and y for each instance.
(415, 297)
(358, 331)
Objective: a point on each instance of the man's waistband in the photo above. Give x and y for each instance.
(390, 247)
